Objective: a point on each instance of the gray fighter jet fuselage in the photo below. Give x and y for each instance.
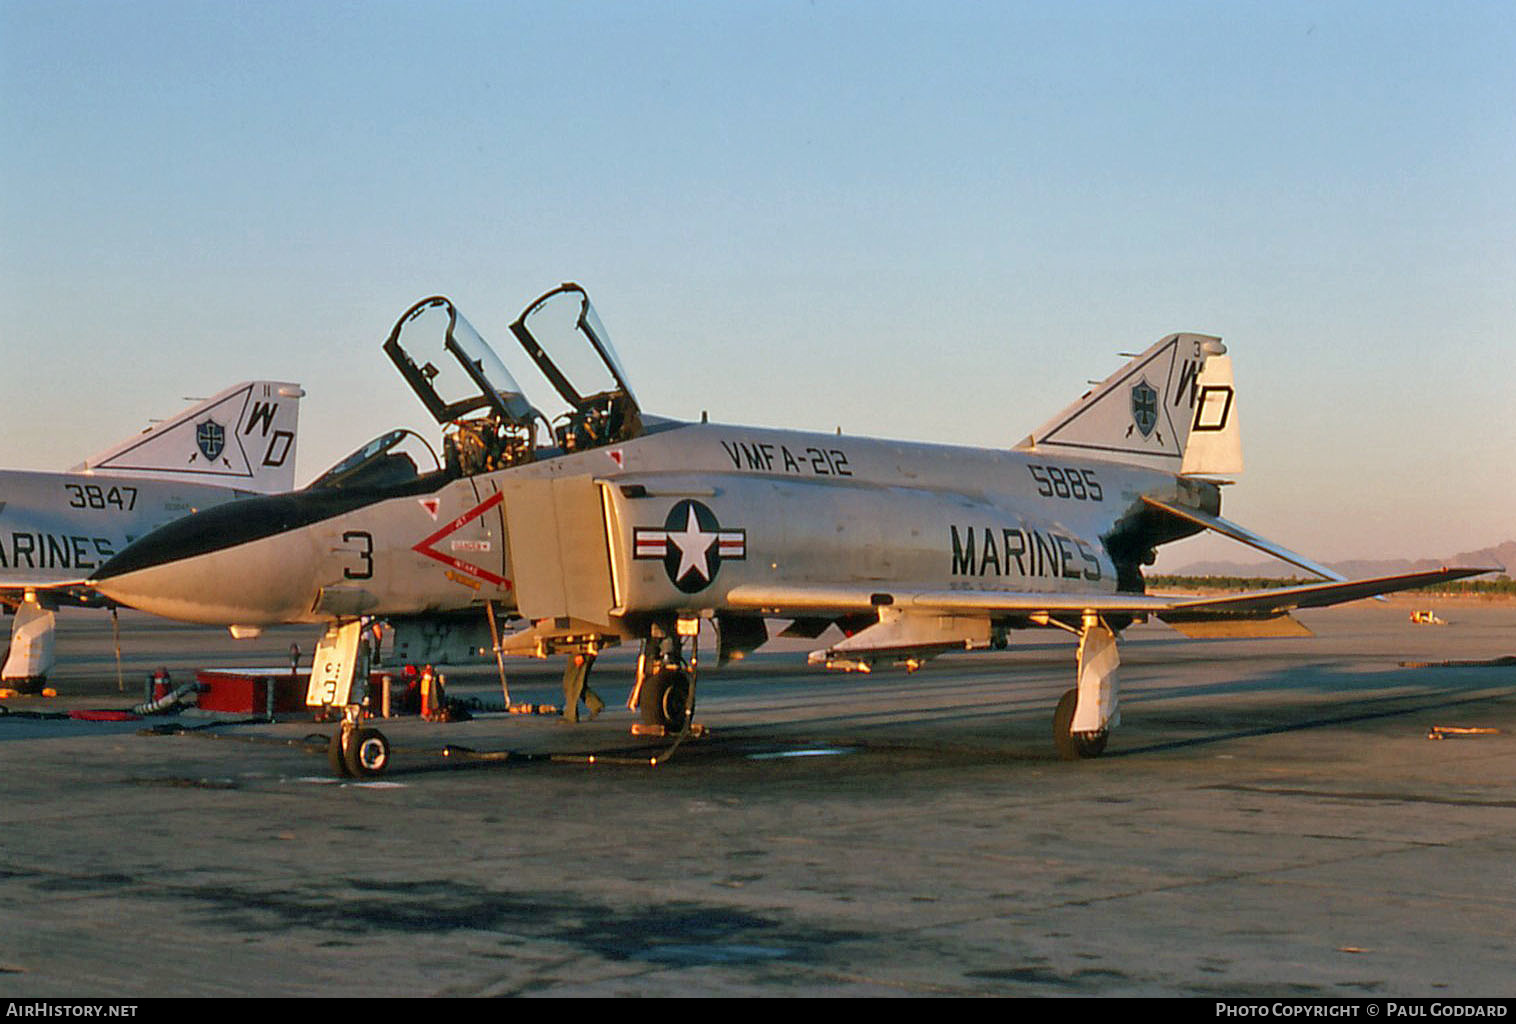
(614, 525)
(701, 513)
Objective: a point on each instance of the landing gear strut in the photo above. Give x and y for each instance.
(31, 652)
(1085, 714)
(665, 691)
(339, 678)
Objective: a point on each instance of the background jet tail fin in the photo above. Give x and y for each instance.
(243, 437)
(1144, 412)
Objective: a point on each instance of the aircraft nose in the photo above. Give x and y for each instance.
(217, 566)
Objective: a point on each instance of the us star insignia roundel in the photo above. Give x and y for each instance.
(210, 438)
(692, 545)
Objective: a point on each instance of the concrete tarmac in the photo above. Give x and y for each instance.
(1270, 820)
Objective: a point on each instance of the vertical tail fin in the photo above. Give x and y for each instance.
(243, 437)
(1214, 445)
(1154, 409)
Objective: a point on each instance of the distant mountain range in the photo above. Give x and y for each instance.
(1501, 555)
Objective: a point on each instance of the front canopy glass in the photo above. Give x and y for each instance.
(377, 464)
(465, 376)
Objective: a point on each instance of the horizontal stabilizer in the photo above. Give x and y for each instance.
(1321, 595)
(1230, 529)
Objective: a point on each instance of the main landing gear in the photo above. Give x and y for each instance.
(30, 658)
(665, 700)
(665, 689)
(1085, 714)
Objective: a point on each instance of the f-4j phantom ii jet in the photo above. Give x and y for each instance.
(607, 524)
(57, 529)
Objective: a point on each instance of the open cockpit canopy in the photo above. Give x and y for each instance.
(562, 334)
(466, 387)
(473, 378)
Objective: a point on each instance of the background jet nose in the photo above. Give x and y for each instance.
(200, 533)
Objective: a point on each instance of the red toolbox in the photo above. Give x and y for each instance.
(246, 691)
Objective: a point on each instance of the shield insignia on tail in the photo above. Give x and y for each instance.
(1144, 407)
(210, 437)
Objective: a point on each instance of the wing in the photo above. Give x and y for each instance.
(924, 621)
(841, 599)
(801, 599)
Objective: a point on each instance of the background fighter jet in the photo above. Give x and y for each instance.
(57, 529)
(602, 523)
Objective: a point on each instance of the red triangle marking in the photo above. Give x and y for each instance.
(425, 547)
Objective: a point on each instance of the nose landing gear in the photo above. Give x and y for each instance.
(339, 678)
(358, 752)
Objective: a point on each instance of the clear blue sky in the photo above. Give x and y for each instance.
(926, 220)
